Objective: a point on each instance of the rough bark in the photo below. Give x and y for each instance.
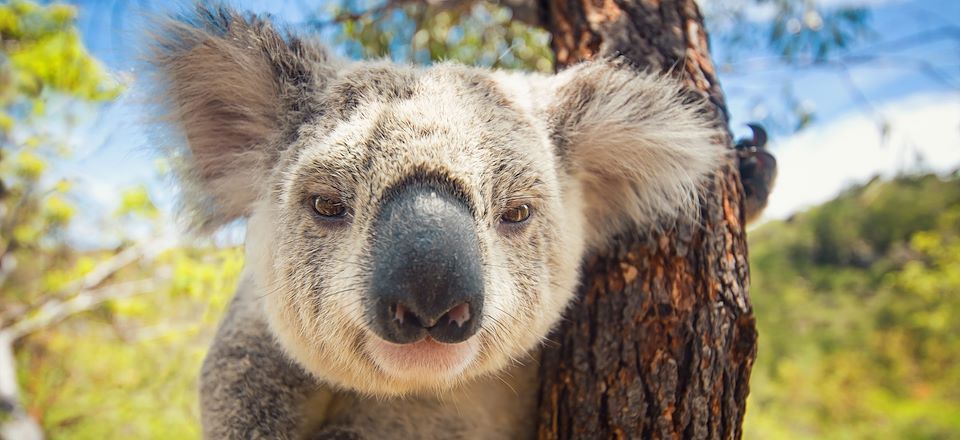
(663, 338)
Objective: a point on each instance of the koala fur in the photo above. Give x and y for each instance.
(272, 121)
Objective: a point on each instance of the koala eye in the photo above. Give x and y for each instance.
(329, 207)
(516, 214)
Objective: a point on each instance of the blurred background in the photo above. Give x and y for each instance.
(106, 307)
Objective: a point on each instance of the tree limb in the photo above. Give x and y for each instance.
(95, 278)
(15, 423)
(57, 309)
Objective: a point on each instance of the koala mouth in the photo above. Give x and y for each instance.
(427, 357)
(426, 360)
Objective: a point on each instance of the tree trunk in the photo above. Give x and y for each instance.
(663, 338)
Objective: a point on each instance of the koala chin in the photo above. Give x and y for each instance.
(413, 233)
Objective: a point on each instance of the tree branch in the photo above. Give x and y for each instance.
(859, 96)
(94, 278)
(15, 423)
(56, 310)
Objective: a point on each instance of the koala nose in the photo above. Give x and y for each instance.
(427, 274)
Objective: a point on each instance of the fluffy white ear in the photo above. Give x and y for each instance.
(233, 86)
(638, 146)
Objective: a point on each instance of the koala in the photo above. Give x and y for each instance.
(412, 233)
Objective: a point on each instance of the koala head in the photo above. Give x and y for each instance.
(413, 227)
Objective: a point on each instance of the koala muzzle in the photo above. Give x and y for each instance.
(427, 272)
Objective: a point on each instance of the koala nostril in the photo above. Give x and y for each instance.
(457, 324)
(401, 325)
(399, 313)
(404, 317)
(460, 314)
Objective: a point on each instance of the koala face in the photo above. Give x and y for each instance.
(411, 228)
(420, 231)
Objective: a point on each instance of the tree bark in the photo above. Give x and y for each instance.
(663, 338)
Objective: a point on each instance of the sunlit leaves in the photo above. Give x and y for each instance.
(136, 202)
(205, 272)
(29, 166)
(41, 56)
(6, 122)
(42, 49)
(57, 279)
(476, 33)
(129, 369)
(58, 210)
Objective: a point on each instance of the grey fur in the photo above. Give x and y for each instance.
(272, 120)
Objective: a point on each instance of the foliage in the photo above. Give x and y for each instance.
(798, 31)
(97, 375)
(129, 369)
(858, 313)
(41, 57)
(478, 33)
(791, 33)
(42, 50)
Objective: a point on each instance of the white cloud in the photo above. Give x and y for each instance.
(818, 163)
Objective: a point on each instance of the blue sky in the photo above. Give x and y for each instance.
(841, 147)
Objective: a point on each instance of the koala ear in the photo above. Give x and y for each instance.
(232, 85)
(638, 147)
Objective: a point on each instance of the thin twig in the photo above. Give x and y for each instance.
(879, 118)
(55, 310)
(95, 277)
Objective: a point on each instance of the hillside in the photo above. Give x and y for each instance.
(858, 309)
